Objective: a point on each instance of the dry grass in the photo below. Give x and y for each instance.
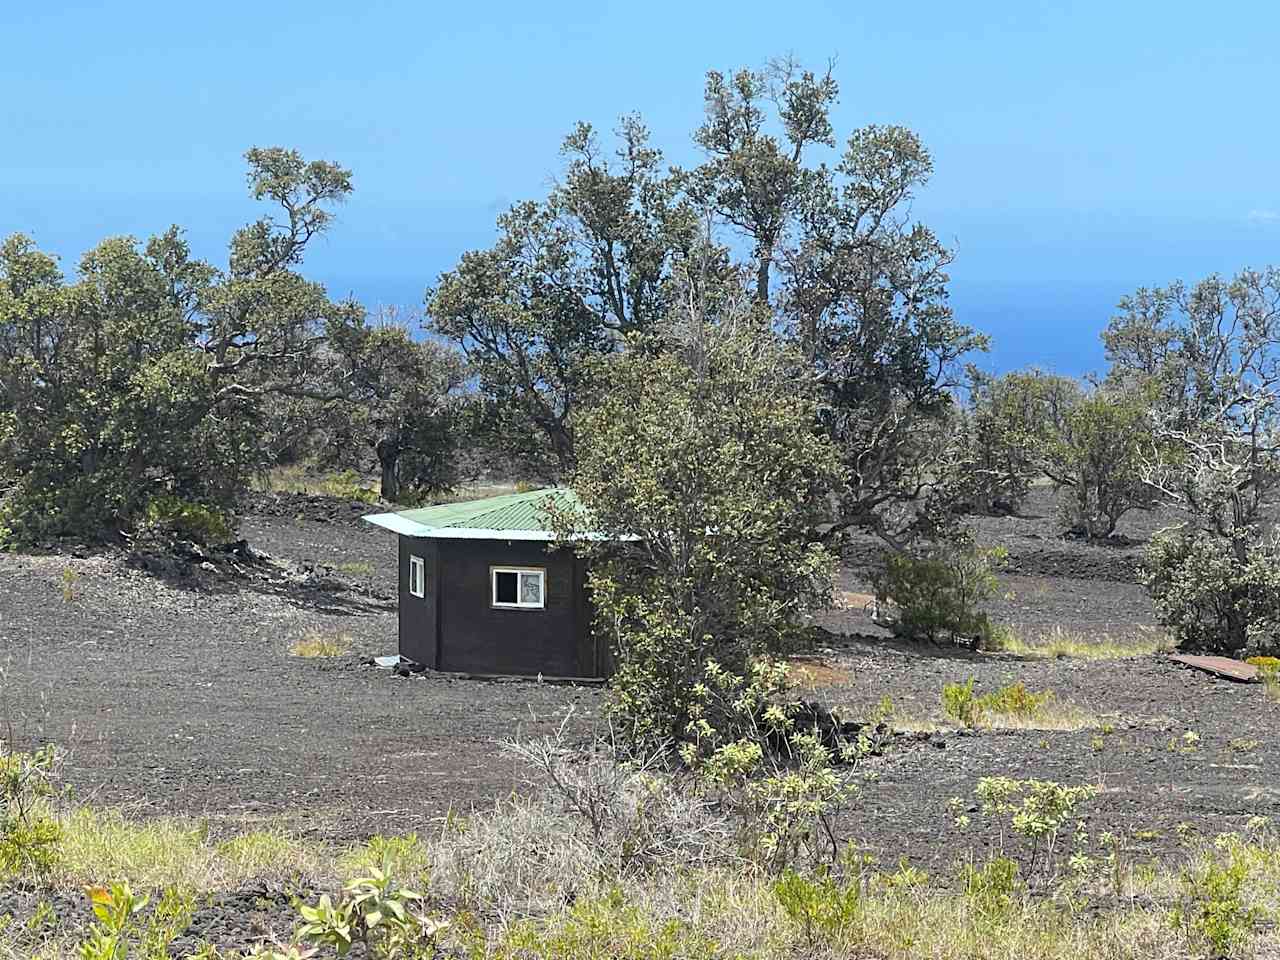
(1061, 643)
(314, 643)
(535, 885)
(104, 845)
(1054, 715)
(851, 600)
(301, 478)
(807, 673)
(355, 568)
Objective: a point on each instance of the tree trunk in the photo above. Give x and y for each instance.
(390, 481)
(388, 450)
(762, 275)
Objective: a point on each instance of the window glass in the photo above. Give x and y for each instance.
(505, 587)
(417, 577)
(531, 588)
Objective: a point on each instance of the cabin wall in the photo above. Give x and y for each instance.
(456, 628)
(477, 637)
(419, 616)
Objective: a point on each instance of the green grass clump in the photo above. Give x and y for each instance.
(1013, 707)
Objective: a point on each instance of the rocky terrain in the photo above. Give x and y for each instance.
(172, 688)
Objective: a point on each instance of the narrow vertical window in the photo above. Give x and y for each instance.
(417, 576)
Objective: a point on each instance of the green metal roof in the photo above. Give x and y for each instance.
(512, 516)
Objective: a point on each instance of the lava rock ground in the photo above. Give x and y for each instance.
(178, 694)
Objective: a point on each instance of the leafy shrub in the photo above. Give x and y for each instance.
(29, 838)
(959, 703)
(1213, 598)
(376, 911)
(1036, 810)
(769, 767)
(114, 910)
(1213, 909)
(1268, 667)
(937, 596)
(823, 909)
(1015, 700)
(29, 846)
(992, 887)
(173, 518)
(1097, 457)
(703, 442)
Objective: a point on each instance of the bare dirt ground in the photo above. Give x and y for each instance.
(180, 695)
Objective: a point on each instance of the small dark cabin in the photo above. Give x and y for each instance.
(482, 592)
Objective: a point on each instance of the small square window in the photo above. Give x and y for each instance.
(519, 587)
(417, 576)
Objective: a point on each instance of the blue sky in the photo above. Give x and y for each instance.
(1082, 149)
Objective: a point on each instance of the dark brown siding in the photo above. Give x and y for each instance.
(479, 638)
(419, 615)
(455, 627)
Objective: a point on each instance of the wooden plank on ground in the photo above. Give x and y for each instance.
(1223, 667)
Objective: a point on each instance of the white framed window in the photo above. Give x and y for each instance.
(417, 576)
(519, 588)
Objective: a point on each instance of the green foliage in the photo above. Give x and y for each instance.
(264, 951)
(329, 924)
(773, 774)
(1207, 357)
(1097, 456)
(701, 466)
(1268, 667)
(595, 928)
(397, 409)
(1036, 810)
(823, 909)
(938, 595)
(567, 279)
(831, 255)
(1213, 910)
(146, 375)
(1012, 701)
(29, 837)
(169, 517)
(1028, 423)
(1015, 700)
(115, 909)
(349, 485)
(29, 846)
(1006, 431)
(168, 918)
(1213, 600)
(959, 703)
(992, 887)
(377, 912)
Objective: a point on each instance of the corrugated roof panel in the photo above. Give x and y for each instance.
(524, 512)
